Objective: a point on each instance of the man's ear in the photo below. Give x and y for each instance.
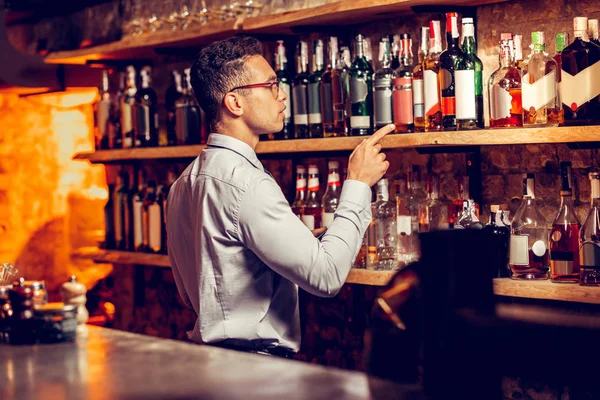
(233, 104)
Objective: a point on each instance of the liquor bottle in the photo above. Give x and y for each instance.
(116, 132)
(456, 208)
(128, 114)
(109, 220)
(469, 82)
(411, 211)
(300, 93)
(102, 113)
(403, 88)
(564, 237)
(529, 237)
(340, 86)
(541, 100)
(147, 113)
(589, 238)
(331, 198)
(396, 45)
(284, 79)
(140, 240)
(501, 235)
(300, 200)
(312, 213)
(580, 78)
(122, 203)
(517, 51)
(417, 82)
(187, 114)
(468, 218)
(315, 122)
(504, 89)
(593, 31)
(326, 89)
(361, 92)
(163, 196)
(382, 87)
(432, 80)
(153, 219)
(437, 210)
(448, 60)
(562, 39)
(384, 214)
(174, 93)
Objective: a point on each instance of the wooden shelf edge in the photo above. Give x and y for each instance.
(122, 257)
(164, 152)
(546, 290)
(369, 277)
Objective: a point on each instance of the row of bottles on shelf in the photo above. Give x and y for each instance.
(528, 248)
(134, 214)
(444, 89)
(129, 116)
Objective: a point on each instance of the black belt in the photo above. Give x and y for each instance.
(271, 351)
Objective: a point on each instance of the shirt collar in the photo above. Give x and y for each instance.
(233, 144)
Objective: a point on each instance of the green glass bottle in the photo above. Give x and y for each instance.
(361, 92)
(315, 125)
(469, 82)
(283, 76)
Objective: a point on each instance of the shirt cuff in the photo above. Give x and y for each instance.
(358, 193)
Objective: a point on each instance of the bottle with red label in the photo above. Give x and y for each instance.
(298, 204)
(403, 88)
(331, 198)
(432, 80)
(448, 60)
(312, 214)
(506, 110)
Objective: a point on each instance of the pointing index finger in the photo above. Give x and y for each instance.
(377, 136)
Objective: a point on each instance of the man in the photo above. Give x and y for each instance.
(238, 252)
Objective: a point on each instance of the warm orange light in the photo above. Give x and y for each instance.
(68, 99)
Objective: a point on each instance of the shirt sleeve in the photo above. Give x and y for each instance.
(267, 226)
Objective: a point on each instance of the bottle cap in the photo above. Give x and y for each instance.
(537, 38)
(561, 41)
(580, 24)
(300, 169)
(505, 36)
(494, 208)
(313, 169)
(333, 164)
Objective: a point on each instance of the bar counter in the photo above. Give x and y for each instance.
(112, 364)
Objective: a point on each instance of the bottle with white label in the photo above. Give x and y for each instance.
(402, 99)
(152, 219)
(326, 89)
(468, 81)
(386, 235)
(417, 82)
(140, 238)
(147, 111)
(361, 92)
(300, 92)
(382, 87)
(102, 114)
(529, 251)
(432, 80)
(411, 210)
(589, 238)
(283, 77)
(331, 198)
(300, 200)
(539, 80)
(504, 90)
(313, 212)
(315, 126)
(448, 60)
(128, 114)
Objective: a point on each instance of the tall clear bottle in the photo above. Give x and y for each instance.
(432, 80)
(139, 237)
(300, 200)
(504, 90)
(300, 92)
(448, 60)
(128, 114)
(147, 111)
(403, 87)
(315, 122)
(313, 211)
(340, 85)
(331, 198)
(437, 209)
(469, 82)
(589, 238)
(564, 237)
(417, 82)
(541, 100)
(326, 89)
(580, 78)
(529, 255)
(285, 81)
(173, 93)
(384, 213)
(102, 113)
(382, 87)
(361, 92)
(187, 115)
(411, 212)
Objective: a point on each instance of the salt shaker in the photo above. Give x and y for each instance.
(73, 292)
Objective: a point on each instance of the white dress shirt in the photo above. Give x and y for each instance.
(238, 252)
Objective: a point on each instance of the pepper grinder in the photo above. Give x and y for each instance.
(73, 292)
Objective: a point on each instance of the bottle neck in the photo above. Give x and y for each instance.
(582, 35)
(146, 81)
(300, 187)
(360, 49)
(333, 178)
(468, 46)
(105, 86)
(406, 54)
(383, 193)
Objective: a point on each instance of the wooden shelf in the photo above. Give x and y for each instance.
(546, 290)
(487, 137)
(338, 13)
(369, 277)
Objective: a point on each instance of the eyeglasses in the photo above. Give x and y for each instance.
(274, 85)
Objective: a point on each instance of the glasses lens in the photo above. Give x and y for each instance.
(275, 89)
